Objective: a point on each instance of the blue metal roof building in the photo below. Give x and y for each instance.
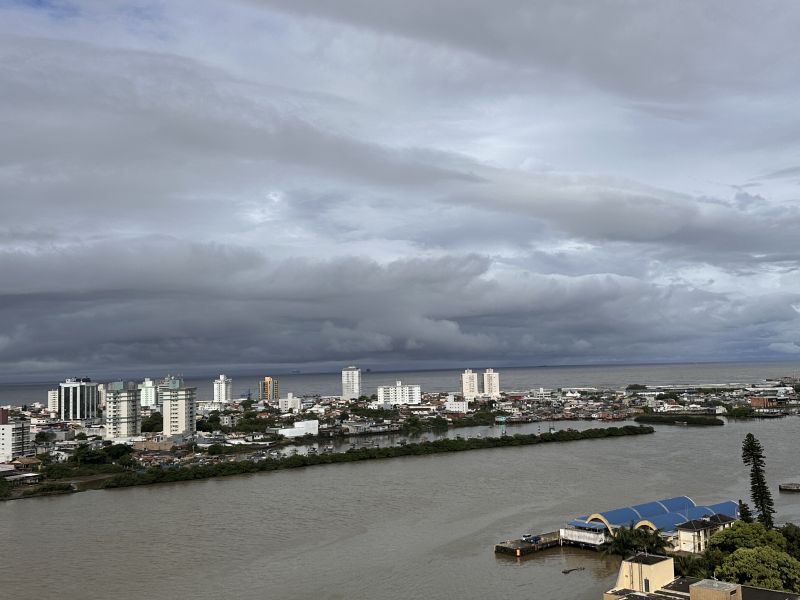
(665, 514)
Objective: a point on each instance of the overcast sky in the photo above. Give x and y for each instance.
(272, 184)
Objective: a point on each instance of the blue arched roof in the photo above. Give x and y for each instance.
(728, 508)
(649, 509)
(664, 514)
(677, 504)
(699, 512)
(621, 516)
(668, 522)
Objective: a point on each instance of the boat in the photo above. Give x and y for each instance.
(789, 487)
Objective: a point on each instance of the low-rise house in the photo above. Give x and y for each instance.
(693, 535)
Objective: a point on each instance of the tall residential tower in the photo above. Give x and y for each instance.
(351, 383)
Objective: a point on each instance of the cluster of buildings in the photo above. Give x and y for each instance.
(652, 577)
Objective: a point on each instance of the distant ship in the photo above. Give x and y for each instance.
(296, 371)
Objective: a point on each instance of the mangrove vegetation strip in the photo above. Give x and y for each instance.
(159, 475)
(679, 420)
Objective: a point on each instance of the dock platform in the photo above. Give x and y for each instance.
(521, 547)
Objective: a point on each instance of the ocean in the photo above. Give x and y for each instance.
(512, 378)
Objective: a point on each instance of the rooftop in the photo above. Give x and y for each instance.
(646, 559)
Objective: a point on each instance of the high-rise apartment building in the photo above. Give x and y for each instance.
(52, 401)
(268, 389)
(77, 400)
(148, 393)
(123, 418)
(15, 437)
(223, 390)
(399, 394)
(351, 383)
(491, 384)
(469, 385)
(178, 408)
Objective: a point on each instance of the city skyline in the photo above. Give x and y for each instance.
(293, 185)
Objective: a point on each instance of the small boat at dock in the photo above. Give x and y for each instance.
(789, 487)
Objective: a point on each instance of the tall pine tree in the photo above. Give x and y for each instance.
(753, 456)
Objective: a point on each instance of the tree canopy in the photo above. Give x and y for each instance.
(746, 535)
(762, 567)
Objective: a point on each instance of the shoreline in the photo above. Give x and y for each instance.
(426, 448)
(155, 476)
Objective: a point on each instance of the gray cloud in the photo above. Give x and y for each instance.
(309, 184)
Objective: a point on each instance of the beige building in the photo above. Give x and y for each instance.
(693, 535)
(268, 389)
(179, 408)
(123, 417)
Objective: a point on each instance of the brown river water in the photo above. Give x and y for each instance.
(416, 527)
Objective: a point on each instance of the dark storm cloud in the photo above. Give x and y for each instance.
(307, 184)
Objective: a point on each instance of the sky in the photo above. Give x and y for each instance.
(262, 185)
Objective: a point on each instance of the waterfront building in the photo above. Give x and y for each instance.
(222, 390)
(351, 383)
(392, 395)
(268, 390)
(77, 400)
(491, 384)
(290, 403)
(469, 385)
(452, 405)
(665, 515)
(123, 416)
(15, 437)
(148, 393)
(52, 401)
(178, 410)
(300, 428)
(649, 576)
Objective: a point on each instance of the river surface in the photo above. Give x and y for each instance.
(415, 527)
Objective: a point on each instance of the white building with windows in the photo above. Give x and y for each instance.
(452, 405)
(351, 383)
(15, 437)
(392, 395)
(491, 384)
(123, 417)
(52, 401)
(290, 403)
(469, 385)
(300, 428)
(178, 408)
(223, 390)
(148, 393)
(77, 400)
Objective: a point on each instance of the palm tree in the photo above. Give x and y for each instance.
(690, 566)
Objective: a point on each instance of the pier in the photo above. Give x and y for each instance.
(523, 547)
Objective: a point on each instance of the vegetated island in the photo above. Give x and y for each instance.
(159, 475)
(679, 420)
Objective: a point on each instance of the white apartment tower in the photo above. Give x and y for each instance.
(148, 392)
(178, 408)
(77, 400)
(351, 383)
(222, 390)
(491, 384)
(52, 401)
(399, 394)
(469, 385)
(15, 437)
(123, 419)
